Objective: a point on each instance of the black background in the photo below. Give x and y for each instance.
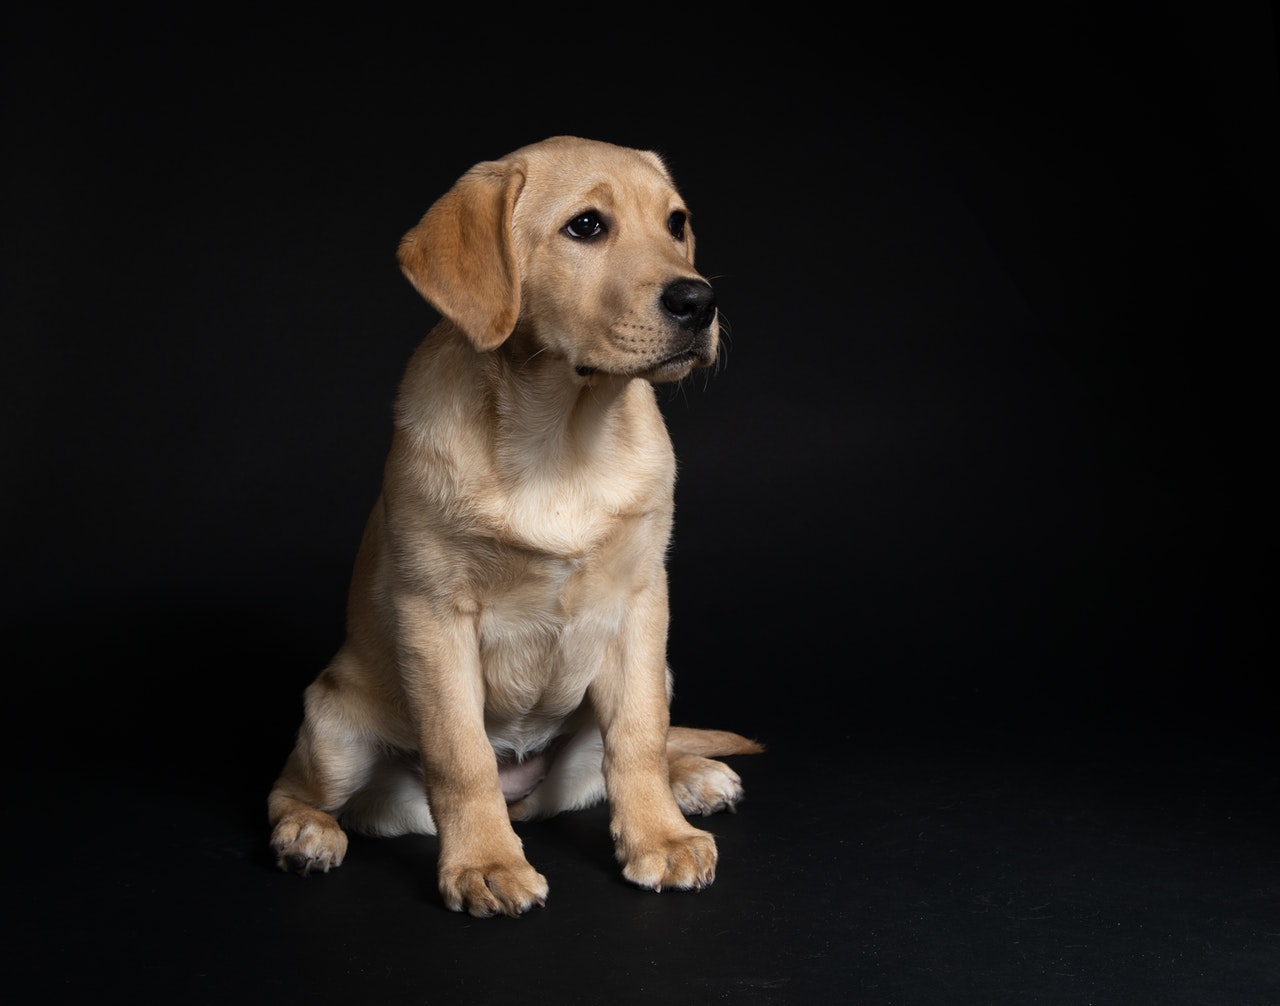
(974, 522)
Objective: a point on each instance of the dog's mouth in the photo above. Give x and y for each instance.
(675, 367)
(671, 368)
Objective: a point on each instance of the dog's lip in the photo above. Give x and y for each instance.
(672, 368)
(675, 365)
(691, 358)
(678, 361)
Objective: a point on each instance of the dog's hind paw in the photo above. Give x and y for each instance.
(703, 785)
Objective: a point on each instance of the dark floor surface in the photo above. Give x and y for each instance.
(894, 850)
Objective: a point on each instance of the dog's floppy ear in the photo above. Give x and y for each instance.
(462, 258)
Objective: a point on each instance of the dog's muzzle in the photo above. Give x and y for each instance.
(690, 340)
(691, 306)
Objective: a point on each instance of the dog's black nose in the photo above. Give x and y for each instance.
(691, 302)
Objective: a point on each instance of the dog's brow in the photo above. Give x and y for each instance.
(600, 192)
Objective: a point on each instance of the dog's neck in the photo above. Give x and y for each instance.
(536, 418)
(539, 397)
(571, 450)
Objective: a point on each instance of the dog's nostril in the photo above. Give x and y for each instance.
(691, 302)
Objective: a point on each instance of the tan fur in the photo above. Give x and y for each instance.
(506, 641)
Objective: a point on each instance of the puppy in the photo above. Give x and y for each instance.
(505, 655)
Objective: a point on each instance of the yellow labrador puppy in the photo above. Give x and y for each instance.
(505, 656)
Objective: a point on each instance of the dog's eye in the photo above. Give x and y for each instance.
(585, 226)
(675, 224)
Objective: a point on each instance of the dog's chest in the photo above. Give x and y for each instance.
(564, 527)
(566, 487)
(543, 637)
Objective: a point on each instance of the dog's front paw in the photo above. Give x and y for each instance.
(704, 786)
(685, 860)
(308, 842)
(510, 888)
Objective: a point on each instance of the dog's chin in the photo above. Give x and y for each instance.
(673, 368)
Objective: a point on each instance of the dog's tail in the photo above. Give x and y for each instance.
(710, 743)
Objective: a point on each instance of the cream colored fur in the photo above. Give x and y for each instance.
(506, 641)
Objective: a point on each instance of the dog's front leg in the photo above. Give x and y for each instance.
(657, 847)
(482, 868)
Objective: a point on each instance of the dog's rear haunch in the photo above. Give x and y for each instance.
(505, 656)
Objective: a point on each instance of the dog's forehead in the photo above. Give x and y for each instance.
(570, 177)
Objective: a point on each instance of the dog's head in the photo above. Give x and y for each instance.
(585, 248)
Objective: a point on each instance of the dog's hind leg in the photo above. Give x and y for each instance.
(330, 762)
